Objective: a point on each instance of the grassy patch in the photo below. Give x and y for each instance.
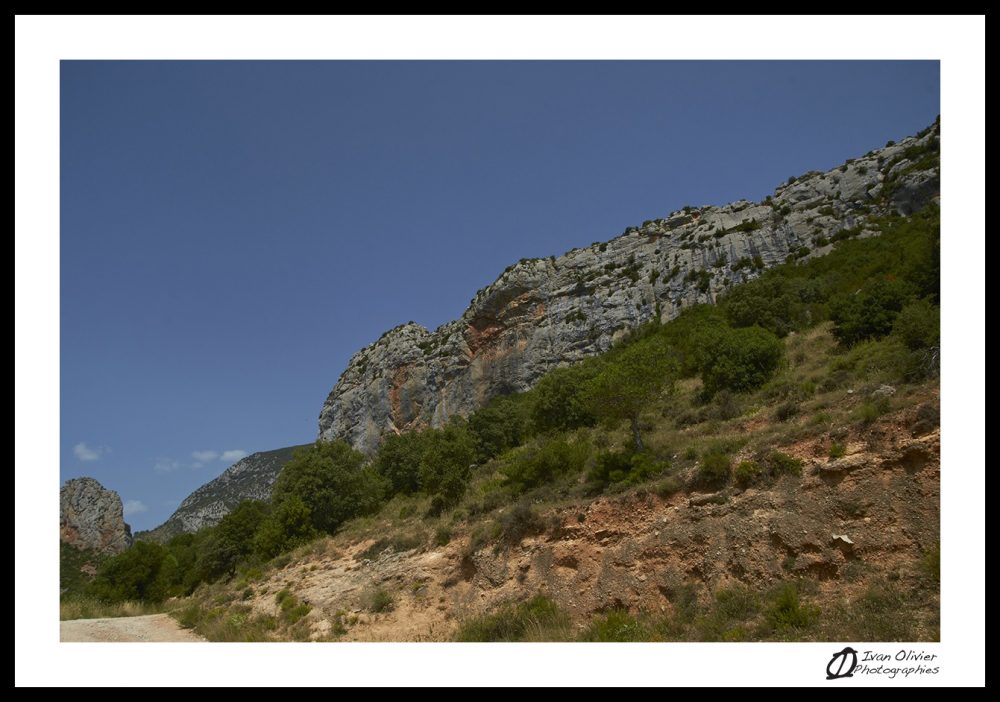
(538, 619)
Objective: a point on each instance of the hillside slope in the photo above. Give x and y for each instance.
(248, 479)
(544, 313)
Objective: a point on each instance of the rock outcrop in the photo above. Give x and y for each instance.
(250, 478)
(90, 516)
(544, 313)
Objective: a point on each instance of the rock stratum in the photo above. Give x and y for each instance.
(548, 312)
(90, 517)
(250, 478)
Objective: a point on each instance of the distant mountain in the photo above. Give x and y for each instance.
(546, 312)
(248, 479)
(90, 517)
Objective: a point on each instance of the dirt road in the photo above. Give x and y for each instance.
(153, 627)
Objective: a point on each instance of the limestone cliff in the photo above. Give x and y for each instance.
(544, 313)
(91, 517)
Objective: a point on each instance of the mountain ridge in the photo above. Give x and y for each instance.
(542, 313)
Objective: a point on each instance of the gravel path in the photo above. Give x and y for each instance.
(153, 627)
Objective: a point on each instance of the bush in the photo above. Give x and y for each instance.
(837, 450)
(740, 359)
(787, 613)
(518, 522)
(918, 325)
(783, 464)
(869, 412)
(398, 460)
(786, 411)
(143, 572)
(557, 402)
(232, 541)
(746, 473)
(537, 465)
(502, 424)
(627, 468)
(869, 314)
(617, 626)
(714, 469)
(442, 536)
(538, 619)
(332, 481)
(289, 525)
(447, 460)
(379, 600)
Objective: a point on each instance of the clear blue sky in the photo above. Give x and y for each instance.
(232, 232)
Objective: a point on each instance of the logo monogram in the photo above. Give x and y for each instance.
(842, 657)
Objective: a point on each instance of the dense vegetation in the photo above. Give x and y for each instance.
(880, 294)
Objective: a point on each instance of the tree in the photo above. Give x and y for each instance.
(332, 481)
(135, 574)
(870, 313)
(500, 425)
(398, 460)
(232, 539)
(631, 381)
(448, 455)
(289, 525)
(740, 359)
(558, 403)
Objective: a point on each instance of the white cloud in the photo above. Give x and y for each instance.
(203, 457)
(133, 507)
(233, 455)
(166, 465)
(89, 453)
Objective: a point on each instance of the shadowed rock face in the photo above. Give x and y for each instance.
(544, 313)
(91, 517)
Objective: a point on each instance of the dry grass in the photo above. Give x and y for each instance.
(90, 608)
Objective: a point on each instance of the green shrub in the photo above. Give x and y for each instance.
(714, 470)
(627, 468)
(918, 325)
(787, 613)
(668, 486)
(145, 572)
(739, 359)
(502, 424)
(518, 522)
(786, 411)
(442, 535)
(837, 450)
(379, 600)
(869, 412)
(869, 314)
(783, 464)
(289, 525)
(557, 402)
(746, 473)
(616, 626)
(538, 619)
(398, 460)
(537, 465)
(446, 462)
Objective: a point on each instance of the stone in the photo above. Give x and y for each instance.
(883, 391)
(843, 465)
(842, 537)
(90, 516)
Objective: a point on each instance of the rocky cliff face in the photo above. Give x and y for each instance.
(91, 517)
(248, 479)
(544, 313)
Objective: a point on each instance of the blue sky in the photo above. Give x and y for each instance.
(232, 232)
